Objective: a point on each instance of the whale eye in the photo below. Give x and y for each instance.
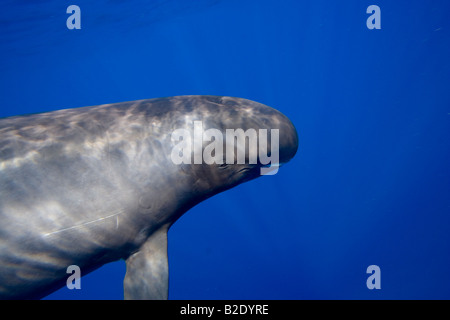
(223, 166)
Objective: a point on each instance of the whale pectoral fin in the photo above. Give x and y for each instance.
(147, 275)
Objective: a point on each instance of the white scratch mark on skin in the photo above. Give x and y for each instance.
(85, 224)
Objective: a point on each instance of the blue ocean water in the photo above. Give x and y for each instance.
(370, 184)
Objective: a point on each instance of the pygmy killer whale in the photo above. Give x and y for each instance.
(91, 185)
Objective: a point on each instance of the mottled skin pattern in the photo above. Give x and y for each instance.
(91, 185)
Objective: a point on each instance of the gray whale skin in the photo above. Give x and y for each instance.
(88, 186)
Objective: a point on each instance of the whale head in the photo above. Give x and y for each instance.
(225, 141)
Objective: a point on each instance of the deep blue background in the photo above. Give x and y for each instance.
(370, 183)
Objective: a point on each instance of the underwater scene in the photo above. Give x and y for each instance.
(362, 211)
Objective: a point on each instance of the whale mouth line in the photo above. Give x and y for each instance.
(267, 168)
(246, 169)
(273, 164)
